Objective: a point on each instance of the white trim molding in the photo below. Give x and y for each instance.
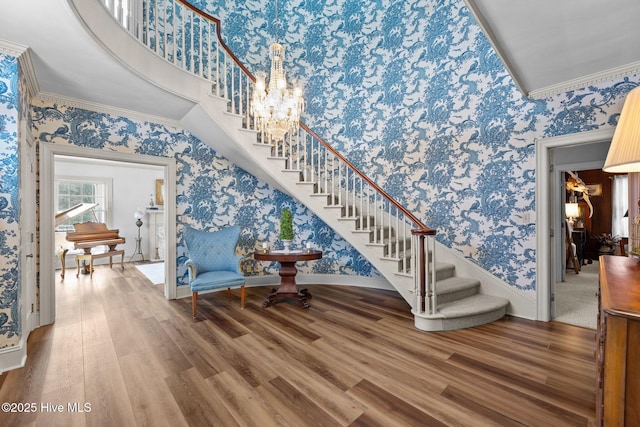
(544, 274)
(13, 357)
(23, 53)
(585, 81)
(47, 277)
(11, 48)
(310, 279)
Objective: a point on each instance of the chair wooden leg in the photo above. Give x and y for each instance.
(194, 300)
(242, 297)
(229, 294)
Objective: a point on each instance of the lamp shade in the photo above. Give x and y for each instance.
(139, 214)
(624, 152)
(571, 210)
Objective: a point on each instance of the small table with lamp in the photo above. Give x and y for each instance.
(288, 271)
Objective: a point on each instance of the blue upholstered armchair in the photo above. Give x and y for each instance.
(212, 261)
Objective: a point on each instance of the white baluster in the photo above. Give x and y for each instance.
(174, 28)
(389, 222)
(156, 31)
(182, 41)
(340, 183)
(247, 103)
(217, 68)
(298, 149)
(209, 51)
(225, 75)
(397, 227)
(360, 201)
(240, 90)
(164, 30)
(145, 26)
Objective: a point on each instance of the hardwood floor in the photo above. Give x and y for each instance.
(352, 359)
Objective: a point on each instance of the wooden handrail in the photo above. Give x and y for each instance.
(391, 200)
(424, 230)
(222, 43)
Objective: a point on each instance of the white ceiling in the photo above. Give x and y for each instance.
(550, 46)
(68, 62)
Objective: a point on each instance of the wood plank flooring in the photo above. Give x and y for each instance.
(352, 359)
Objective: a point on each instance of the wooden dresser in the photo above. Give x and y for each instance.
(618, 351)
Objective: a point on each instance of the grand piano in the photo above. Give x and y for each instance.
(85, 237)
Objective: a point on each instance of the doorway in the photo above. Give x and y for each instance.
(554, 156)
(47, 212)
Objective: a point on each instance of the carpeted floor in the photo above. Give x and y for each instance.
(576, 299)
(153, 272)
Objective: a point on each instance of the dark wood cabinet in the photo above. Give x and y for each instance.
(618, 351)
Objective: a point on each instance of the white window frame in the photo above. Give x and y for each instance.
(107, 184)
(620, 205)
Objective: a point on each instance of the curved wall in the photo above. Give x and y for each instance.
(413, 94)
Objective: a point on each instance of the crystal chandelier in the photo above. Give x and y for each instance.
(276, 107)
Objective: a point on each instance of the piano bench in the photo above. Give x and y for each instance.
(91, 257)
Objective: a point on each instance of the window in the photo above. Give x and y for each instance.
(72, 191)
(620, 223)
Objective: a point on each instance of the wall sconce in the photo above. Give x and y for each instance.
(572, 211)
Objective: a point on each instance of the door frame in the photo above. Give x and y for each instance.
(545, 210)
(28, 280)
(48, 151)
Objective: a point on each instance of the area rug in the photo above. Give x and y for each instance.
(153, 272)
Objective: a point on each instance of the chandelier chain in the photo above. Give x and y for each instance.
(277, 22)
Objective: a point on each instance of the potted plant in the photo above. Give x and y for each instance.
(607, 242)
(286, 228)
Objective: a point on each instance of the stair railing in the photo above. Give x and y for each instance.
(191, 40)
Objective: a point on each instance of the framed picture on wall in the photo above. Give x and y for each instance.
(594, 189)
(159, 192)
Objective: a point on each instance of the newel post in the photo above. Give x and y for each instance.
(422, 292)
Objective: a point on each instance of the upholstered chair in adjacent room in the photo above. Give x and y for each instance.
(212, 261)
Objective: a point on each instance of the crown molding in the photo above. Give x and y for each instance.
(551, 90)
(23, 53)
(11, 48)
(582, 82)
(26, 65)
(106, 109)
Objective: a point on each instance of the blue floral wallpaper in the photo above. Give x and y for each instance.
(9, 202)
(413, 94)
(211, 192)
(410, 92)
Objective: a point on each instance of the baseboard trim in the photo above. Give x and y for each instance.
(13, 357)
(310, 279)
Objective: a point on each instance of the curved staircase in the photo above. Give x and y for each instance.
(303, 165)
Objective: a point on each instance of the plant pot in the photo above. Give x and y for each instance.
(287, 245)
(606, 250)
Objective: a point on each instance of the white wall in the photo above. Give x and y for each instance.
(132, 186)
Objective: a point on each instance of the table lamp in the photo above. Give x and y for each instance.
(624, 153)
(572, 211)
